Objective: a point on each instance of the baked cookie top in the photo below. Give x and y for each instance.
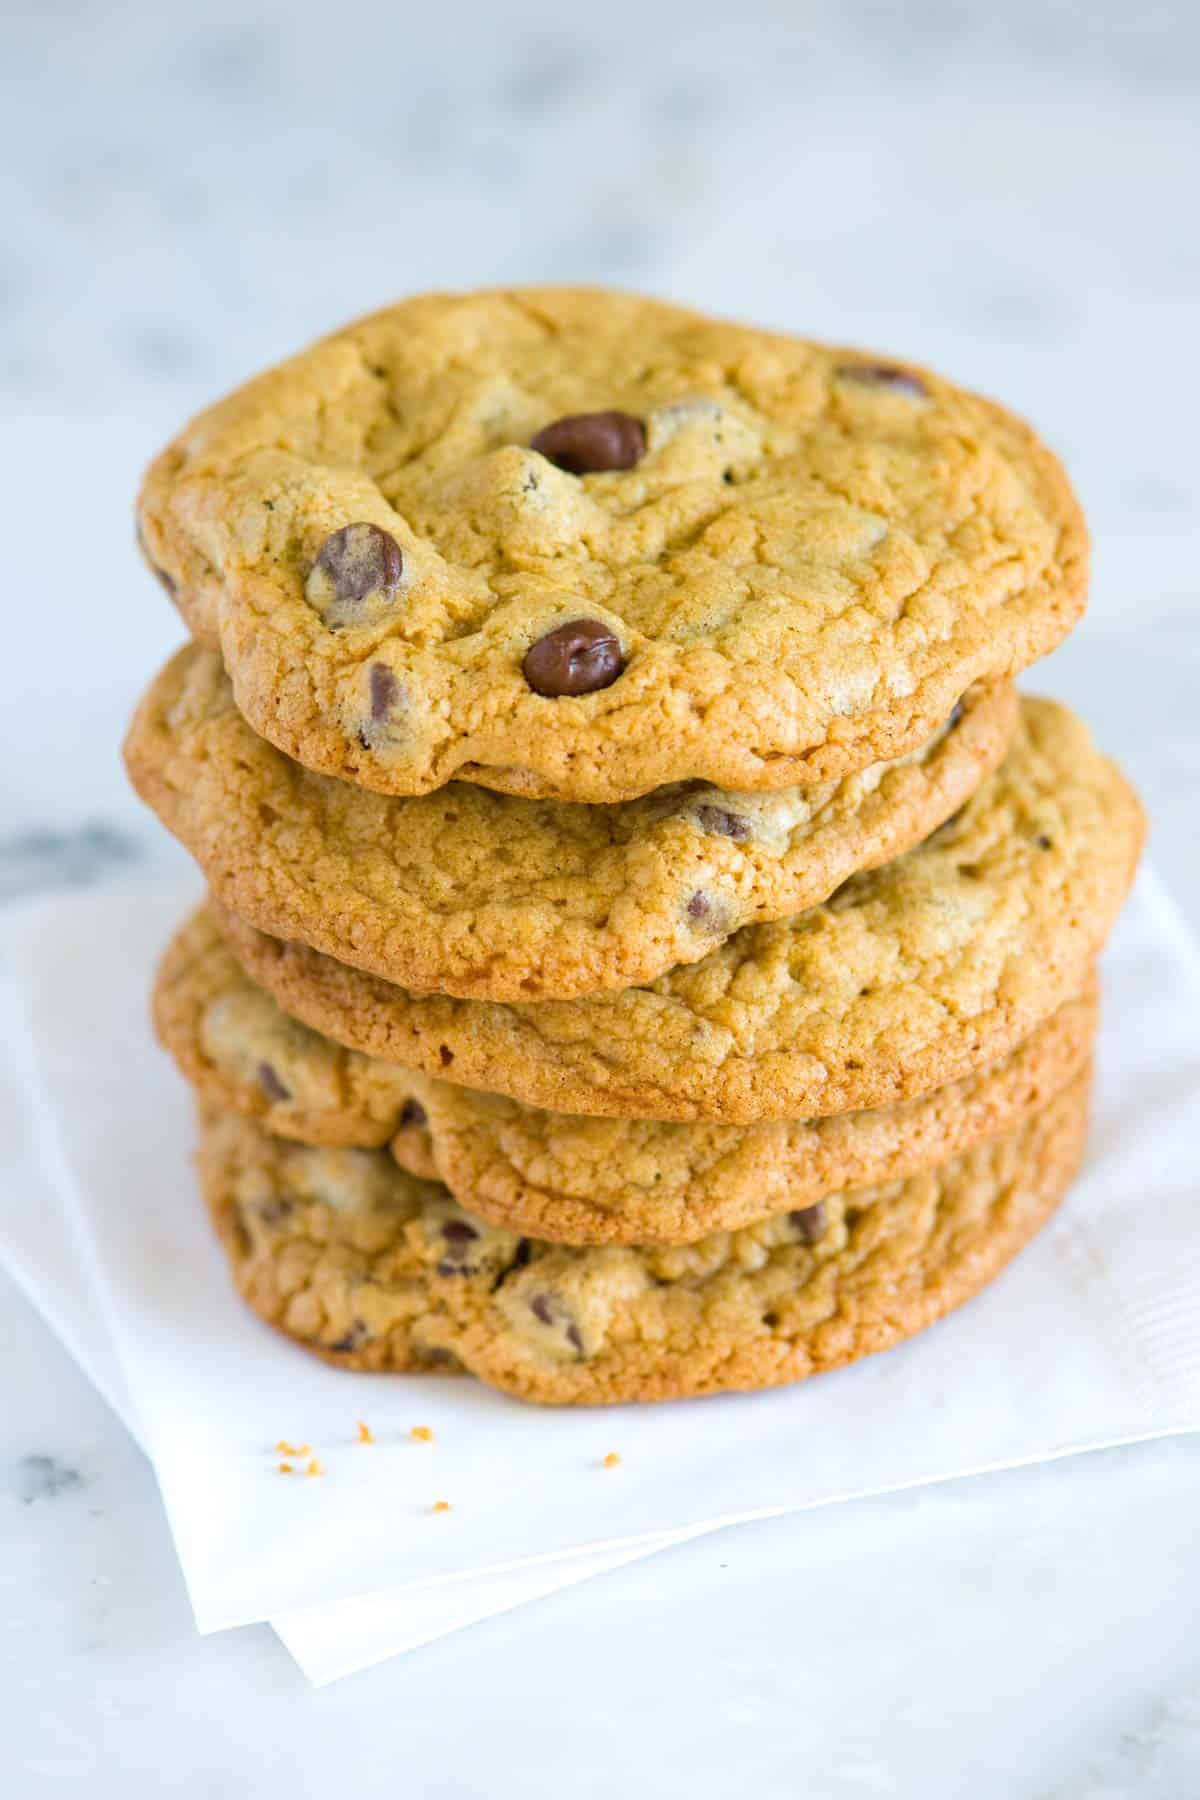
(488, 896)
(375, 1270)
(568, 1178)
(580, 544)
(909, 976)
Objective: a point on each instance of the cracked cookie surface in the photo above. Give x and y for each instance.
(372, 1269)
(488, 896)
(909, 976)
(567, 1178)
(578, 544)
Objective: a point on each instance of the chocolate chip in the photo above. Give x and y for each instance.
(587, 443)
(458, 1235)
(721, 823)
(955, 715)
(357, 563)
(1043, 842)
(884, 375)
(578, 658)
(270, 1083)
(384, 690)
(413, 1113)
(352, 1338)
(808, 1223)
(445, 1055)
(272, 1212)
(707, 912)
(459, 1231)
(550, 1311)
(770, 1320)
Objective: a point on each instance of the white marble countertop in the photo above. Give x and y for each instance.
(1009, 195)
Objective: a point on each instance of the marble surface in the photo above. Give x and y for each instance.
(1006, 191)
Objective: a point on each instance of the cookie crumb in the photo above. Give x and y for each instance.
(365, 1434)
(421, 1434)
(611, 1460)
(315, 1466)
(441, 1506)
(286, 1449)
(286, 1468)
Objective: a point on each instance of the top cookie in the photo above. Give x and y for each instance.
(576, 544)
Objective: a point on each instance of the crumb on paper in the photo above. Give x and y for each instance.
(315, 1466)
(441, 1506)
(286, 1468)
(421, 1434)
(611, 1460)
(365, 1434)
(286, 1449)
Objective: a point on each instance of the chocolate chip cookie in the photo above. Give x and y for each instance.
(370, 1268)
(235, 1046)
(488, 896)
(908, 977)
(577, 544)
(562, 1177)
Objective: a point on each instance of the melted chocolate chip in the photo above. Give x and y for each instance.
(808, 1223)
(708, 912)
(770, 1320)
(352, 1338)
(413, 1113)
(721, 823)
(888, 376)
(357, 563)
(946, 829)
(551, 1311)
(270, 1083)
(587, 443)
(459, 1231)
(272, 1212)
(458, 1236)
(579, 658)
(1043, 842)
(384, 691)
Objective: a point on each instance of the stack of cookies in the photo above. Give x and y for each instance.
(651, 948)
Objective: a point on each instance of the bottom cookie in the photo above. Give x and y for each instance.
(370, 1267)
